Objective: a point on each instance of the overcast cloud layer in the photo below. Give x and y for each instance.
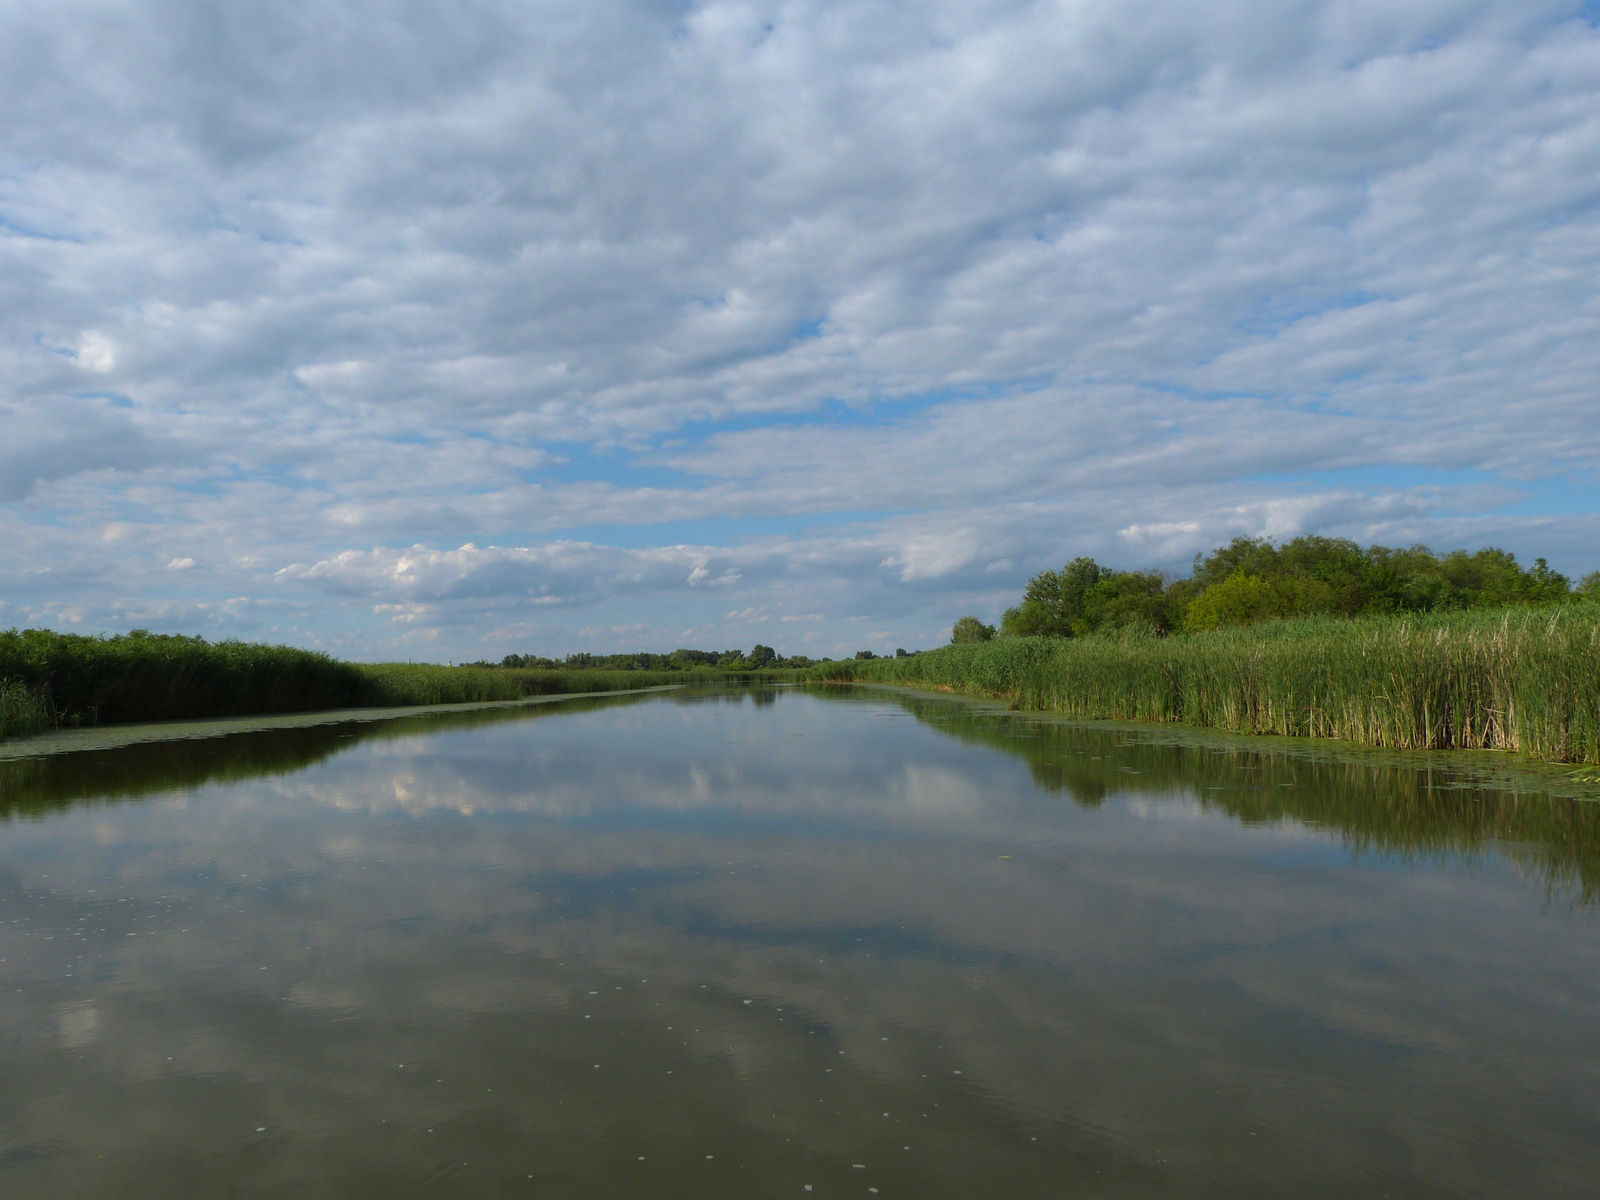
(461, 328)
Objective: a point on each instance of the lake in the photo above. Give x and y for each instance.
(799, 943)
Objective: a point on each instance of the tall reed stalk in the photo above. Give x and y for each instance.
(51, 679)
(21, 711)
(1522, 680)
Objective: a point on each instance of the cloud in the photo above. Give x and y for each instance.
(564, 573)
(677, 303)
(71, 437)
(96, 353)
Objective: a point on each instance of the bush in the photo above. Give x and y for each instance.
(967, 630)
(1242, 599)
(1253, 579)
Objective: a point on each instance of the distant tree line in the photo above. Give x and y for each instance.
(1254, 579)
(759, 658)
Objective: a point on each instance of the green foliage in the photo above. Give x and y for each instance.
(52, 679)
(760, 658)
(22, 711)
(1084, 596)
(1317, 575)
(966, 630)
(403, 684)
(1242, 599)
(1253, 579)
(145, 677)
(1518, 680)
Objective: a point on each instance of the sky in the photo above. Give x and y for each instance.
(452, 329)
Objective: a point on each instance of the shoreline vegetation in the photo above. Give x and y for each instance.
(1386, 806)
(1522, 680)
(1405, 649)
(1252, 580)
(53, 680)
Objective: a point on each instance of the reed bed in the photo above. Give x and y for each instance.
(48, 680)
(1520, 680)
(73, 680)
(21, 711)
(400, 684)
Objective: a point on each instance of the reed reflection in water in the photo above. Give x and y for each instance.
(737, 943)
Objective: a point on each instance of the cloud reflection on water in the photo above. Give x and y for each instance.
(505, 903)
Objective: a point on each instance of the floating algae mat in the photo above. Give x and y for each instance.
(791, 943)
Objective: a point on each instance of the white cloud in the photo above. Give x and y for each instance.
(96, 353)
(941, 293)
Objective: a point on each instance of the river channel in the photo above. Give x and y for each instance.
(800, 943)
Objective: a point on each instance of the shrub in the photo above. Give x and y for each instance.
(967, 630)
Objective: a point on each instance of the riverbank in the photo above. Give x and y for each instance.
(1519, 680)
(52, 681)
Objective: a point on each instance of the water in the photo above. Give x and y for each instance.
(788, 944)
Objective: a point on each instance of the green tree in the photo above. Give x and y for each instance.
(1255, 579)
(1053, 602)
(1240, 599)
(969, 629)
(1128, 599)
(1084, 597)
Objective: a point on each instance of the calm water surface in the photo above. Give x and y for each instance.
(787, 944)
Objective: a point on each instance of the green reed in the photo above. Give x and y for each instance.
(21, 711)
(1522, 680)
(51, 679)
(401, 684)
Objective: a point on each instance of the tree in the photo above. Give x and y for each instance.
(762, 656)
(1084, 596)
(1239, 599)
(1053, 602)
(970, 629)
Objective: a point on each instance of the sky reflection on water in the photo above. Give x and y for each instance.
(738, 943)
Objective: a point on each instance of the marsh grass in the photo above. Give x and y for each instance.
(1521, 680)
(48, 680)
(22, 712)
(401, 684)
